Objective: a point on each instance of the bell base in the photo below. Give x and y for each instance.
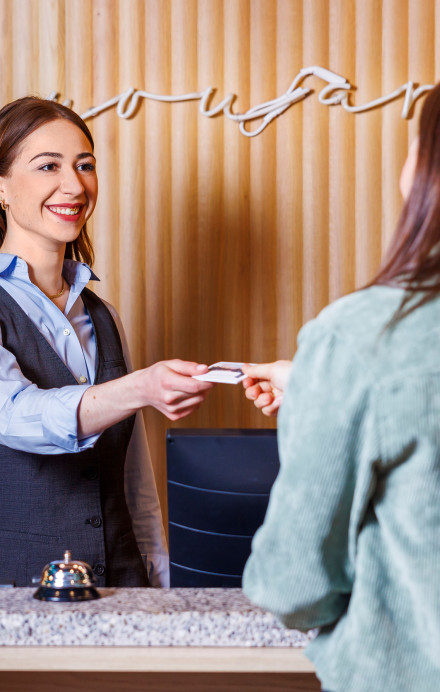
(66, 595)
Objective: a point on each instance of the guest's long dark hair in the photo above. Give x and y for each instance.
(413, 257)
(19, 119)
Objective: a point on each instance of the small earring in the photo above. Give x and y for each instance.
(3, 205)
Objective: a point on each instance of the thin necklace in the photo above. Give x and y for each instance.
(60, 293)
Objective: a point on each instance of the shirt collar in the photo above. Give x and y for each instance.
(77, 274)
(7, 263)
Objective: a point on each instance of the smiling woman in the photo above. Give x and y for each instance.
(70, 422)
(56, 167)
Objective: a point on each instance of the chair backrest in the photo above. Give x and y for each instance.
(219, 482)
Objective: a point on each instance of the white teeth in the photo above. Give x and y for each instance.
(66, 211)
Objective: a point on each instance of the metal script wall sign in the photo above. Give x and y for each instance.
(335, 92)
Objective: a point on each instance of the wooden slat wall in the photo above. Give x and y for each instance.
(211, 245)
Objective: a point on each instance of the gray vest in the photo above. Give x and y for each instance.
(76, 502)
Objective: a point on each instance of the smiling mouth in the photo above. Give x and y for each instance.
(66, 211)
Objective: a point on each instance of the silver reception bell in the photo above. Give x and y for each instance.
(66, 581)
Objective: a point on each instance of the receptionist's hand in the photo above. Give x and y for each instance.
(171, 389)
(265, 384)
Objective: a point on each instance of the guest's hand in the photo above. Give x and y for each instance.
(265, 384)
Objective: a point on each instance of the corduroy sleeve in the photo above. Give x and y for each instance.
(301, 565)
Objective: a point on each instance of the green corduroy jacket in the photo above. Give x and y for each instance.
(351, 539)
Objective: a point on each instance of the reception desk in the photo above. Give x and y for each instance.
(148, 639)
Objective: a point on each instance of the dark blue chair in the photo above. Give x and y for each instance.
(219, 482)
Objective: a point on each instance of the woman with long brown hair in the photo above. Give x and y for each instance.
(351, 540)
(74, 464)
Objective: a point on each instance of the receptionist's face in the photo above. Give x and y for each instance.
(51, 188)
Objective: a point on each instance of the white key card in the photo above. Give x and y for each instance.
(228, 373)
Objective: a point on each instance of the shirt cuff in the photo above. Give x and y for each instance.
(60, 419)
(158, 570)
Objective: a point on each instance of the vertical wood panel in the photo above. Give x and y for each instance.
(211, 299)
(157, 183)
(131, 182)
(51, 43)
(421, 46)
(105, 130)
(289, 162)
(213, 245)
(342, 156)
(184, 251)
(262, 244)
(235, 280)
(79, 55)
(315, 167)
(6, 15)
(394, 128)
(368, 140)
(25, 45)
(437, 39)
(158, 214)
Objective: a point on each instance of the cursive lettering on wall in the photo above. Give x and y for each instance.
(336, 92)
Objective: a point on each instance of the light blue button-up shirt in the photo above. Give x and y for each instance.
(45, 421)
(38, 420)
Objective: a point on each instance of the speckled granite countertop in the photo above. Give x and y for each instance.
(142, 617)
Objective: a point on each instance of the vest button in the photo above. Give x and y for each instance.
(90, 473)
(96, 521)
(99, 569)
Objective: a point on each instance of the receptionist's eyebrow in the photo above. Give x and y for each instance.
(56, 155)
